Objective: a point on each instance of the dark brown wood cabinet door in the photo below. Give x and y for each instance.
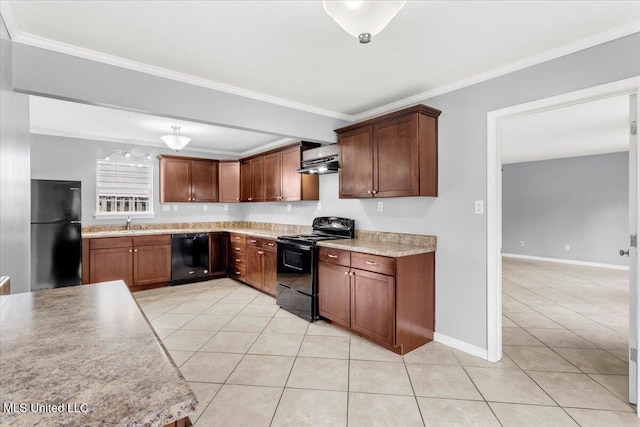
(229, 182)
(204, 181)
(175, 180)
(373, 306)
(151, 264)
(270, 264)
(218, 254)
(245, 181)
(396, 158)
(272, 177)
(111, 264)
(257, 179)
(334, 293)
(356, 164)
(254, 266)
(291, 180)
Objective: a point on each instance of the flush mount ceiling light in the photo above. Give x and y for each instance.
(361, 18)
(176, 141)
(127, 154)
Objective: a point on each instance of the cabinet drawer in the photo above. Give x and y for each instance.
(238, 238)
(254, 241)
(162, 239)
(237, 249)
(375, 263)
(238, 261)
(238, 273)
(335, 256)
(269, 244)
(111, 242)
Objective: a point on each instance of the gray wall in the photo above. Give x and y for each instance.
(461, 284)
(580, 201)
(54, 157)
(14, 175)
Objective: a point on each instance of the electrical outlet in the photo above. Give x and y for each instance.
(205, 208)
(521, 242)
(567, 247)
(380, 206)
(226, 207)
(479, 207)
(166, 208)
(175, 208)
(319, 206)
(288, 207)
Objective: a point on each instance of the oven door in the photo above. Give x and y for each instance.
(296, 267)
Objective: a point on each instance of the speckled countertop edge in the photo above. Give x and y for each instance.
(388, 249)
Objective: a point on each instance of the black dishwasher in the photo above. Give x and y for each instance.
(189, 257)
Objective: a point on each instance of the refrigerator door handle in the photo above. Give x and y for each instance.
(75, 222)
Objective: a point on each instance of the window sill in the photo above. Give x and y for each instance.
(123, 215)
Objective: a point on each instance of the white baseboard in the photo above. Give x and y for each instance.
(461, 345)
(567, 261)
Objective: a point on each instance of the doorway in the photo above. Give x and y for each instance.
(495, 122)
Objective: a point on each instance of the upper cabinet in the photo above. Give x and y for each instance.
(183, 179)
(273, 176)
(395, 155)
(229, 181)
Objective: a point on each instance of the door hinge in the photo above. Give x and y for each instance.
(634, 128)
(634, 241)
(633, 354)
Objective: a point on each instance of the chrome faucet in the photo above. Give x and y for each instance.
(128, 223)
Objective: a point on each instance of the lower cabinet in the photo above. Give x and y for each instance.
(218, 254)
(141, 261)
(254, 261)
(387, 300)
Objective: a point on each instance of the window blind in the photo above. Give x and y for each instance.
(123, 187)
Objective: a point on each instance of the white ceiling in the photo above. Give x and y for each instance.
(595, 127)
(62, 118)
(292, 53)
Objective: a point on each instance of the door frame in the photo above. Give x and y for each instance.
(495, 118)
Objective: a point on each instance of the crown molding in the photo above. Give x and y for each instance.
(17, 35)
(68, 49)
(269, 146)
(558, 52)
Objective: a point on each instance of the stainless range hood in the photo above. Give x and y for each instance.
(320, 161)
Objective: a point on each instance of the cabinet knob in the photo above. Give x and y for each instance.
(369, 192)
(375, 191)
(260, 252)
(135, 250)
(271, 244)
(250, 199)
(237, 272)
(237, 259)
(370, 262)
(346, 272)
(332, 256)
(351, 273)
(130, 251)
(253, 240)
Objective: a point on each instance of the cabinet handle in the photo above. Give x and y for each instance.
(253, 240)
(271, 244)
(135, 250)
(237, 238)
(237, 259)
(238, 249)
(237, 272)
(370, 262)
(346, 272)
(369, 192)
(332, 256)
(260, 252)
(250, 199)
(130, 251)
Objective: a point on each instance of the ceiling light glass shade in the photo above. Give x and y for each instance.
(361, 18)
(176, 141)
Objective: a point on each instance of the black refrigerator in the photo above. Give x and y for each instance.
(56, 240)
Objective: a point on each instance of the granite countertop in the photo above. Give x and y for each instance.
(89, 351)
(373, 247)
(268, 234)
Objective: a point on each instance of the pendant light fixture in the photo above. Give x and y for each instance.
(362, 19)
(175, 141)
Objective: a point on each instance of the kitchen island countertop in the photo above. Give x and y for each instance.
(89, 352)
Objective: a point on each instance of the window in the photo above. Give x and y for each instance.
(123, 188)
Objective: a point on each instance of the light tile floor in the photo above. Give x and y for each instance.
(251, 363)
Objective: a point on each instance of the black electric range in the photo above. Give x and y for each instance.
(297, 290)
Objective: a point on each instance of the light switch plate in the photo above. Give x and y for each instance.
(319, 206)
(479, 207)
(205, 208)
(288, 207)
(175, 208)
(226, 207)
(380, 206)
